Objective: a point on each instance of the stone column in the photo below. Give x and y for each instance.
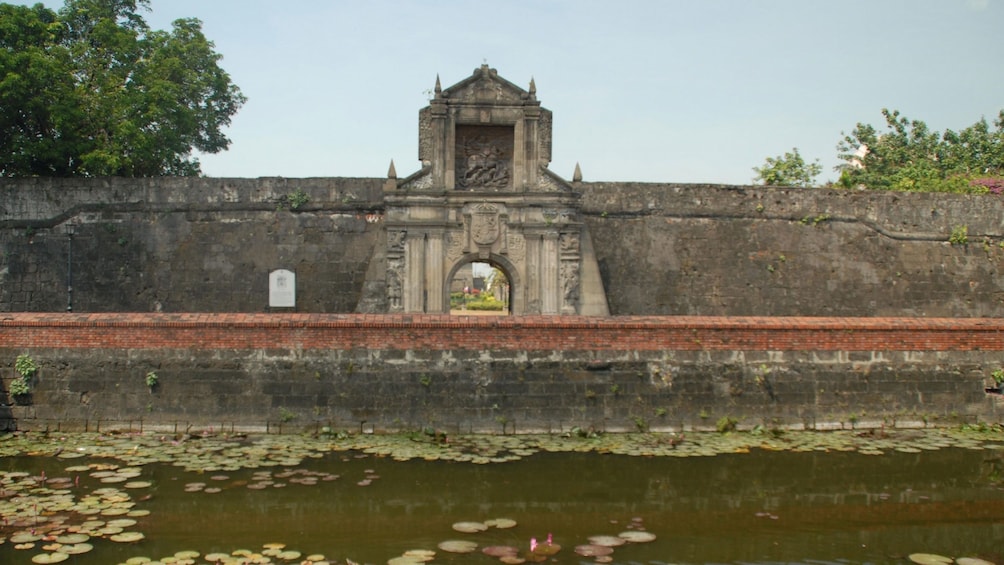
(434, 272)
(414, 273)
(532, 274)
(550, 290)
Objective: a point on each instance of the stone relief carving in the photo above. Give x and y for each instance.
(454, 245)
(425, 134)
(483, 163)
(395, 268)
(422, 182)
(570, 283)
(516, 246)
(548, 184)
(568, 243)
(395, 241)
(485, 228)
(544, 126)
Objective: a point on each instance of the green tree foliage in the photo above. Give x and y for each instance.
(789, 169)
(91, 90)
(909, 156)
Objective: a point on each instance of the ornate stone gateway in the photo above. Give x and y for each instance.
(484, 194)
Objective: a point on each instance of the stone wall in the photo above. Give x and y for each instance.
(719, 250)
(196, 245)
(207, 245)
(518, 374)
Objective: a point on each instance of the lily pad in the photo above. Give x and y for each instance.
(637, 536)
(127, 537)
(593, 550)
(929, 559)
(501, 523)
(499, 550)
(470, 527)
(76, 549)
(70, 539)
(458, 546)
(547, 549)
(54, 557)
(608, 541)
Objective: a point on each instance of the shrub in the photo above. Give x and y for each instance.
(19, 387)
(998, 376)
(726, 424)
(959, 236)
(25, 366)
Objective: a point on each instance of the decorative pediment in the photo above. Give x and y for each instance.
(485, 86)
(483, 134)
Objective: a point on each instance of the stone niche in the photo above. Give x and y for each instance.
(484, 194)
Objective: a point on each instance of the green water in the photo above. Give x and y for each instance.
(758, 507)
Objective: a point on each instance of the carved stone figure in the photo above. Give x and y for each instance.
(485, 164)
(395, 241)
(394, 277)
(570, 282)
(568, 243)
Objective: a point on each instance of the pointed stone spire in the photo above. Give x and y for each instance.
(392, 172)
(438, 91)
(533, 89)
(577, 175)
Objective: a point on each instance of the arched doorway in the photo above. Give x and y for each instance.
(477, 286)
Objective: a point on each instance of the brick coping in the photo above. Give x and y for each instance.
(300, 320)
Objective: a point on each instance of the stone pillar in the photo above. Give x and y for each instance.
(414, 273)
(549, 288)
(532, 274)
(434, 272)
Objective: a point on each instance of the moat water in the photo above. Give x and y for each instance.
(758, 507)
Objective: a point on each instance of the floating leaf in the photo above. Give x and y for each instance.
(501, 523)
(55, 557)
(458, 546)
(929, 559)
(608, 541)
(593, 550)
(127, 537)
(635, 536)
(76, 549)
(470, 527)
(499, 550)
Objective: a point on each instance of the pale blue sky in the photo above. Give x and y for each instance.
(641, 90)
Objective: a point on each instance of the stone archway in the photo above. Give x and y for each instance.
(516, 296)
(484, 193)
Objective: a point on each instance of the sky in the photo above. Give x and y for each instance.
(694, 91)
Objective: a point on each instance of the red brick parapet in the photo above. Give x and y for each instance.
(503, 333)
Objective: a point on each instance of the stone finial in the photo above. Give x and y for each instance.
(533, 89)
(438, 91)
(392, 172)
(577, 175)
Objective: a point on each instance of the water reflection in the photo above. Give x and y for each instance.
(760, 507)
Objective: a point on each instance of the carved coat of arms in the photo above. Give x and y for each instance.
(485, 225)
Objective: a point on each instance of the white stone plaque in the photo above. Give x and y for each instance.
(282, 289)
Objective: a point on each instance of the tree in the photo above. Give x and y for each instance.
(909, 156)
(788, 170)
(93, 91)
